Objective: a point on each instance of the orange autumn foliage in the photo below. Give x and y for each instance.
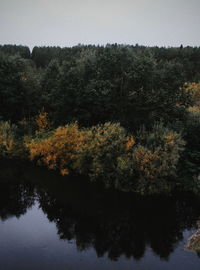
(59, 150)
(42, 121)
(108, 154)
(194, 90)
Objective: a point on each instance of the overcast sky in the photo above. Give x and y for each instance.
(69, 22)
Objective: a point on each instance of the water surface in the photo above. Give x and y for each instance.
(53, 222)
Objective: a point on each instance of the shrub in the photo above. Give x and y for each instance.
(103, 152)
(106, 155)
(156, 157)
(59, 149)
(8, 143)
(193, 90)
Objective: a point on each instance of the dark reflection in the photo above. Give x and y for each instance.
(16, 194)
(112, 223)
(116, 223)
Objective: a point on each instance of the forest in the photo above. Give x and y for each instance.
(127, 117)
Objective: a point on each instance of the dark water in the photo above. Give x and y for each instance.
(51, 222)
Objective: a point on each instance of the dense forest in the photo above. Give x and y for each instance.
(126, 116)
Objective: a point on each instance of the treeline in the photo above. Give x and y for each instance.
(119, 114)
(132, 85)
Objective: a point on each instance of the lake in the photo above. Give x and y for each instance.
(52, 222)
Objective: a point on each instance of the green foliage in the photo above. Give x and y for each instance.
(133, 85)
(42, 56)
(22, 51)
(106, 155)
(156, 158)
(19, 86)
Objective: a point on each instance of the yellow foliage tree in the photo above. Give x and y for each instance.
(59, 150)
(194, 90)
(42, 122)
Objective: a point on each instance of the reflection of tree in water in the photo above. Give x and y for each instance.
(112, 223)
(16, 195)
(121, 224)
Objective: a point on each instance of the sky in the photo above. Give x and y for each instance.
(70, 22)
